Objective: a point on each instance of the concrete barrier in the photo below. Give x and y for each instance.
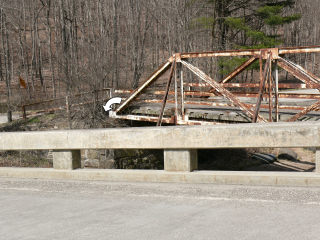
(179, 142)
(296, 134)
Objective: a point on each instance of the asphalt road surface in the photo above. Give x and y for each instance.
(49, 209)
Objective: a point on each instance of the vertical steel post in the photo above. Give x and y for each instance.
(276, 90)
(182, 91)
(270, 90)
(263, 79)
(176, 95)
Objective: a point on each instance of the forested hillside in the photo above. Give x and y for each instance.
(51, 48)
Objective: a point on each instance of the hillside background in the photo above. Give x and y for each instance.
(51, 49)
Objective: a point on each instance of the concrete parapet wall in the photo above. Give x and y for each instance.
(178, 137)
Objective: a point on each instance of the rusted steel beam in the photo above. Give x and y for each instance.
(254, 95)
(270, 91)
(165, 120)
(182, 91)
(195, 122)
(144, 118)
(238, 94)
(176, 110)
(304, 76)
(239, 69)
(304, 71)
(298, 73)
(213, 104)
(273, 53)
(276, 73)
(224, 104)
(250, 52)
(250, 85)
(161, 92)
(149, 80)
(305, 111)
(305, 49)
(203, 103)
(281, 95)
(173, 65)
(228, 53)
(220, 89)
(123, 91)
(196, 84)
(263, 79)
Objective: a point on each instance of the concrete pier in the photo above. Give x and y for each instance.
(67, 160)
(180, 160)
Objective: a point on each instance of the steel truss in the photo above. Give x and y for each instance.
(268, 86)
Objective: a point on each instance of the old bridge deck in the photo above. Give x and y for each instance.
(205, 114)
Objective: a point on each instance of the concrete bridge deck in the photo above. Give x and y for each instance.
(52, 209)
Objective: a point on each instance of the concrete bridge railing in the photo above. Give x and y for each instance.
(178, 142)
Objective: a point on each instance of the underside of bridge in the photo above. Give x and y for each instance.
(179, 92)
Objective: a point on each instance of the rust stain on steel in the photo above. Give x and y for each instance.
(229, 53)
(265, 53)
(215, 104)
(221, 90)
(305, 49)
(250, 85)
(249, 52)
(144, 118)
(298, 73)
(149, 80)
(264, 106)
(225, 104)
(254, 95)
(304, 71)
(282, 95)
(263, 79)
(239, 69)
(270, 90)
(195, 122)
(301, 74)
(173, 66)
(305, 111)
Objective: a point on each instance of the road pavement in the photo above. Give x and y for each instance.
(51, 209)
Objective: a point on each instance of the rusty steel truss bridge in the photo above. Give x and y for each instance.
(168, 97)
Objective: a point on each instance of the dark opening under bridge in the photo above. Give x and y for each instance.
(176, 100)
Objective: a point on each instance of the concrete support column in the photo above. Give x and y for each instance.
(317, 161)
(180, 160)
(66, 159)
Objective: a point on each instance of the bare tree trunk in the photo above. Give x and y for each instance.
(115, 76)
(5, 47)
(32, 19)
(48, 25)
